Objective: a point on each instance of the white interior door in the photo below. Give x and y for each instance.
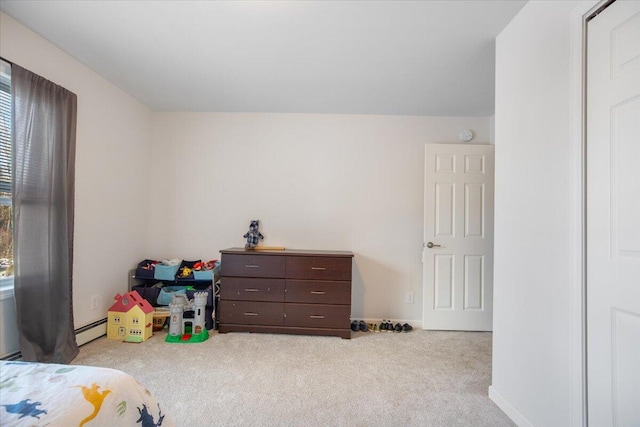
(613, 216)
(458, 237)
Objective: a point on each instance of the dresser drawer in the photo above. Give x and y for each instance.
(252, 289)
(318, 292)
(252, 265)
(251, 313)
(317, 316)
(318, 268)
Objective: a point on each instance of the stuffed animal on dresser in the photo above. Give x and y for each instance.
(253, 235)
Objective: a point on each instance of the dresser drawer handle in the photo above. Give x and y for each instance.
(251, 290)
(318, 268)
(318, 292)
(316, 317)
(252, 266)
(250, 314)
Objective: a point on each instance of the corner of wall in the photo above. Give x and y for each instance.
(492, 130)
(506, 407)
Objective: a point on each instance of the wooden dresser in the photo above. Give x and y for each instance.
(290, 291)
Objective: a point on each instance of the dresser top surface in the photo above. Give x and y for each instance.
(294, 252)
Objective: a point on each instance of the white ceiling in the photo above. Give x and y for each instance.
(355, 57)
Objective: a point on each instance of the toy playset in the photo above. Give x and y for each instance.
(184, 329)
(130, 318)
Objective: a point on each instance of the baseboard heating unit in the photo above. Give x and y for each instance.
(93, 331)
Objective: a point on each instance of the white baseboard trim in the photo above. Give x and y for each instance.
(91, 332)
(506, 407)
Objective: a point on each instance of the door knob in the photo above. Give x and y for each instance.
(432, 245)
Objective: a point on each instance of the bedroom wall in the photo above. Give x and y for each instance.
(112, 165)
(342, 182)
(536, 339)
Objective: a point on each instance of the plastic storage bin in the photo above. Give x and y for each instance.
(165, 272)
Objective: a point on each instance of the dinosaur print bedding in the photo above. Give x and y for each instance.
(40, 394)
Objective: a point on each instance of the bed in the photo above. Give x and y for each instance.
(39, 394)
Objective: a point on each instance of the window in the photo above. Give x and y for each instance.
(6, 222)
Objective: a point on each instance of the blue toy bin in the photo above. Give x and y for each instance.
(203, 275)
(166, 294)
(165, 272)
(207, 274)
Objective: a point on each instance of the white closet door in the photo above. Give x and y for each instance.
(613, 216)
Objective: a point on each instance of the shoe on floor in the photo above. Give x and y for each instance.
(383, 325)
(389, 326)
(354, 326)
(362, 326)
(406, 327)
(398, 327)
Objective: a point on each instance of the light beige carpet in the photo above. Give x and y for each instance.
(419, 378)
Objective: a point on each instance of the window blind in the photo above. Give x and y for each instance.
(5, 130)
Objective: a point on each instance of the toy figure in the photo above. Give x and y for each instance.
(253, 235)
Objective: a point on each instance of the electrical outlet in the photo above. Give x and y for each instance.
(409, 298)
(94, 302)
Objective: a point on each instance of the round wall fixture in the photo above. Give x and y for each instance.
(466, 135)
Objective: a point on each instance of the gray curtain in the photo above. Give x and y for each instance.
(44, 136)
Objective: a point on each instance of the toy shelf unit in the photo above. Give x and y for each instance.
(160, 285)
(285, 291)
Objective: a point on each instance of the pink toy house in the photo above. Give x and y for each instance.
(130, 318)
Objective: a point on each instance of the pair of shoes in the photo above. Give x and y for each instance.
(358, 325)
(372, 327)
(388, 326)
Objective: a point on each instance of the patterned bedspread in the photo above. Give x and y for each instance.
(40, 394)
